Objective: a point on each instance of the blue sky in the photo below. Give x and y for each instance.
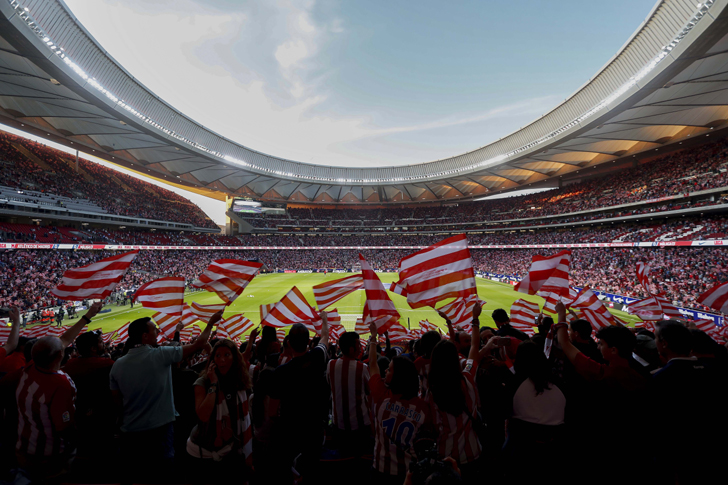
(362, 83)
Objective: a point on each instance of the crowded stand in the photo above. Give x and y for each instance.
(111, 191)
(685, 272)
(472, 405)
(482, 403)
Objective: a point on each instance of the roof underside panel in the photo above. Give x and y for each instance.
(684, 95)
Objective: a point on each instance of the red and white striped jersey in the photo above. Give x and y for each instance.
(349, 380)
(46, 407)
(396, 422)
(456, 436)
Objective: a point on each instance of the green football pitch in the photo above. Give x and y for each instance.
(270, 288)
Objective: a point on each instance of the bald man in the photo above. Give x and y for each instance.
(46, 398)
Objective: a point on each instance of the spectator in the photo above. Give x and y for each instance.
(141, 383)
(223, 438)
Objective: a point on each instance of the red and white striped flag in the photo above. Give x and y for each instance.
(95, 280)
(646, 325)
(205, 312)
(281, 333)
(460, 310)
(227, 277)
(293, 308)
(553, 298)
(332, 291)
(106, 337)
(265, 310)
(706, 325)
(188, 317)
(668, 309)
(378, 307)
(37, 331)
(4, 334)
(54, 331)
(426, 326)
(167, 324)
(523, 316)
(395, 288)
(643, 273)
(648, 309)
(716, 298)
(360, 327)
(165, 295)
(439, 272)
(397, 332)
(415, 333)
(186, 333)
(547, 274)
(235, 326)
(336, 331)
(597, 320)
(122, 333)
(586, 299)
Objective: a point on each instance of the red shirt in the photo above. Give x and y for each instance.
(46, 407)
(396, 422)
(12, 362)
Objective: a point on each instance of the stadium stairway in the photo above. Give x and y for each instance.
(30, 156)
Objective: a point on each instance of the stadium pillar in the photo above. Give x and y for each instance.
(76, 161)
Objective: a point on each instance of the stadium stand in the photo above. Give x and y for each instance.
(44, 171)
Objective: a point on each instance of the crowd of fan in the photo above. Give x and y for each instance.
(115, 192)
(486, 406)
(677, 174)
(682, 273)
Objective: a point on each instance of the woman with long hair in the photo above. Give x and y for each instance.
(398, 415)
(223, 437)
(453, 400)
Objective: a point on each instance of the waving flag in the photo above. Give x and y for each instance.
(234, 327)
(293, 308)
(426, 326)
(360, 327)
(460, 310)
(95, 280)
(716, 298)
(439, 272)
(336, 331)
(648, 309)
(523, 316)
(668, 309)
(597, 320)
(643, 273)
(395, 288)
(205, 312)
(265, 310)
(553, 298)
(547, 274)
(167, 324)
(330, 292)
(228, 277)
(165, 295)
(378, 307)
(586, 299)
(122, 334)
(397, 332)
(281, 333)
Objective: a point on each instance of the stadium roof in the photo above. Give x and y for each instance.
(668, 82)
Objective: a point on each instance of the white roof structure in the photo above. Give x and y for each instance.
(668, 82)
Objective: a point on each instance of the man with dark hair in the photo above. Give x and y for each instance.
(141, 384)
(300, 392)
(349, 381)
(503, 322)
(580, 332)
(94, 405)
(682, 394)
(46, 411)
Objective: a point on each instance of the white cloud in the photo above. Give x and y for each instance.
(291, 53)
